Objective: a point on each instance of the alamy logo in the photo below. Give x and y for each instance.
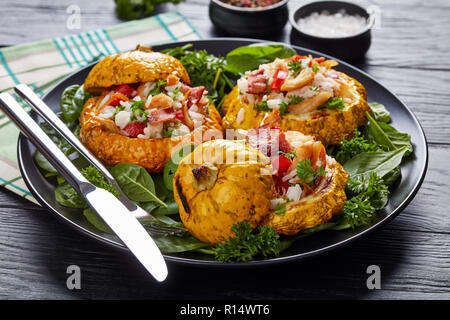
(374, 280)
(74, 20)
(74, 280)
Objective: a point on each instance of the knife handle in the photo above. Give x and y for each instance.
(43, 143)
(46, 113)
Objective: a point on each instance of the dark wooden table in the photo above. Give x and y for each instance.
(409, 55)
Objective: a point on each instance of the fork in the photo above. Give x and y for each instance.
(56, 123)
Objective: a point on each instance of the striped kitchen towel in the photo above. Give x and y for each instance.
(44, 63)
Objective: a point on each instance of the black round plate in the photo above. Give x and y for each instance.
(413, 171)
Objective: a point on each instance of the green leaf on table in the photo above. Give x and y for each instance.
(380, 112)
(247, 58)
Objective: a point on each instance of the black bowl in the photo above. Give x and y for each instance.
(345, 48)
(249, 21)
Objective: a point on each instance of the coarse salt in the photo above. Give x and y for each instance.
(327, 25)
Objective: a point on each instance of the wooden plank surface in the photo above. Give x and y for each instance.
(408, 55)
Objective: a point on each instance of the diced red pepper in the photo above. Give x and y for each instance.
(126, 90)
(134, 129)
(298, 57)
(320, 60)
(179, 114)
(276, 127)
(278, 79)
(116, 97)
(281, 164)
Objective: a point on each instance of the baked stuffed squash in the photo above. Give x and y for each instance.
(312, 98)
(144, 110)
(280, 179)
(221, 183)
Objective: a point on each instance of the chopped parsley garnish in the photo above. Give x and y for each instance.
(289, 155)
(137, 110)
(315, 89)
(333, 103)
(248, 243)
(293, 99)
(158, 88)
(295, 67)
(307, 174)
(171, 131)
(262, 106)
(283, 108)
(280, 209)
(315, 67)
(118, 109)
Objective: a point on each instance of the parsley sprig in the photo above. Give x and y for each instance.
(295, 67)
(333, 103)
(355, 146)
(248, 243)
(306, 173)
(370, 194)
(96, 178)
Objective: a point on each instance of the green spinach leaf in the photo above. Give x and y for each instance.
(247, 58)
(96, 221)
(135, 182)
(380, 112)
(174, 244)
(379, 162)
(66, 196)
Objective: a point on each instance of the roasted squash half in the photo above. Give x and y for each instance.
(144, 110)
(221, 183)
(312, 97)
(213, 195)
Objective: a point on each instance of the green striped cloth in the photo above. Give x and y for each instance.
(42, 64)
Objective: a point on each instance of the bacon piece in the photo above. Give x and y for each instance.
(268, 138)
(196, 94)
(161, 115)
(187, 118)
(193, 95)
(257, 82)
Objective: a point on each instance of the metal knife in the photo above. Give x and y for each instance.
(113, 212)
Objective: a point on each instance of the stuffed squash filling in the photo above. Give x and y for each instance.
(295, 85)
(299, 162)
(155, 109)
